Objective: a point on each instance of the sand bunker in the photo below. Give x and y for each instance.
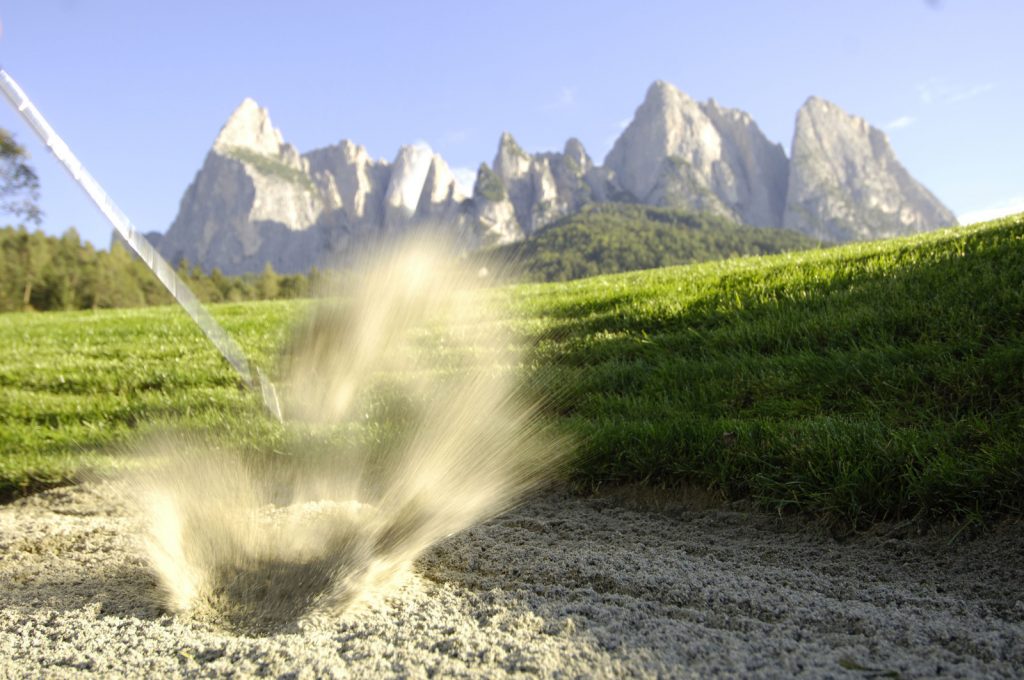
(560, 585)
(407, 421)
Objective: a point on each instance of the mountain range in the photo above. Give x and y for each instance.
(256, 199)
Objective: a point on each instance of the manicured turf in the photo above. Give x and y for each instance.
(74, 385)
(877, 380)
(872, 381)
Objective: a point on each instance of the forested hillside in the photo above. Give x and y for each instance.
(615, 237)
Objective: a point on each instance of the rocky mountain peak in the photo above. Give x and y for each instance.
(574, 152)
(752, 173)
(510, 162)
(408, 175)
(256, 199)
(714, 109)
(249, 128)
(440, 186)
(845, 182)
(672, 154)
(493, 210)
(507, 141)
(818, 111)
(661, 94)
(815, 103)
(352, 152)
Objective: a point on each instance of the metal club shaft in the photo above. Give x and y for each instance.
(224, 343)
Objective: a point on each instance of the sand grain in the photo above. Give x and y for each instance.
(560, 586)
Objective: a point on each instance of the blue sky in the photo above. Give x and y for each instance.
(139, 90)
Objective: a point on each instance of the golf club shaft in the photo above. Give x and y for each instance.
(228, 348)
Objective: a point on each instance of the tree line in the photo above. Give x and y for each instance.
(40, 272)
(606, 238)
(44, 273)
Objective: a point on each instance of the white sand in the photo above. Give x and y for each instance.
(561, 586)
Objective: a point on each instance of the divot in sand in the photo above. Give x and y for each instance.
(405, 394)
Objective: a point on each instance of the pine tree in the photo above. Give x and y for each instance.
(267, 285)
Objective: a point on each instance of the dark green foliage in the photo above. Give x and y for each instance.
(267, 285)
(489, 185)
(19, 184)
(609, 238)
(271, 166)
(46, 273)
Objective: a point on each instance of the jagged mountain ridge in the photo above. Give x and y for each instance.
(863, 192)
(256, 199)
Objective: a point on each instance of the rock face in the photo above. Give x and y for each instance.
(493, 210)
(355, 182)
(758, 168)
(545, 186)
(408, 175)
(677, 152)
(256, 199)
(441, 199)
(253, 201)
(846, 184)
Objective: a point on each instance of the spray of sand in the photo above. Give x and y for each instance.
(411, 376)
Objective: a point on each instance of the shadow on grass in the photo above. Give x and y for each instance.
(862, 387)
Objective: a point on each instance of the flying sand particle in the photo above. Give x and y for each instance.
(411, 370)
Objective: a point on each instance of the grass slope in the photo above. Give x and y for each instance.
(607, 238)
(878, 380)
(871, 381)
(74, 385)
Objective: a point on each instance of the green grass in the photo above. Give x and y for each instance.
(74, 385)
(872, 381)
